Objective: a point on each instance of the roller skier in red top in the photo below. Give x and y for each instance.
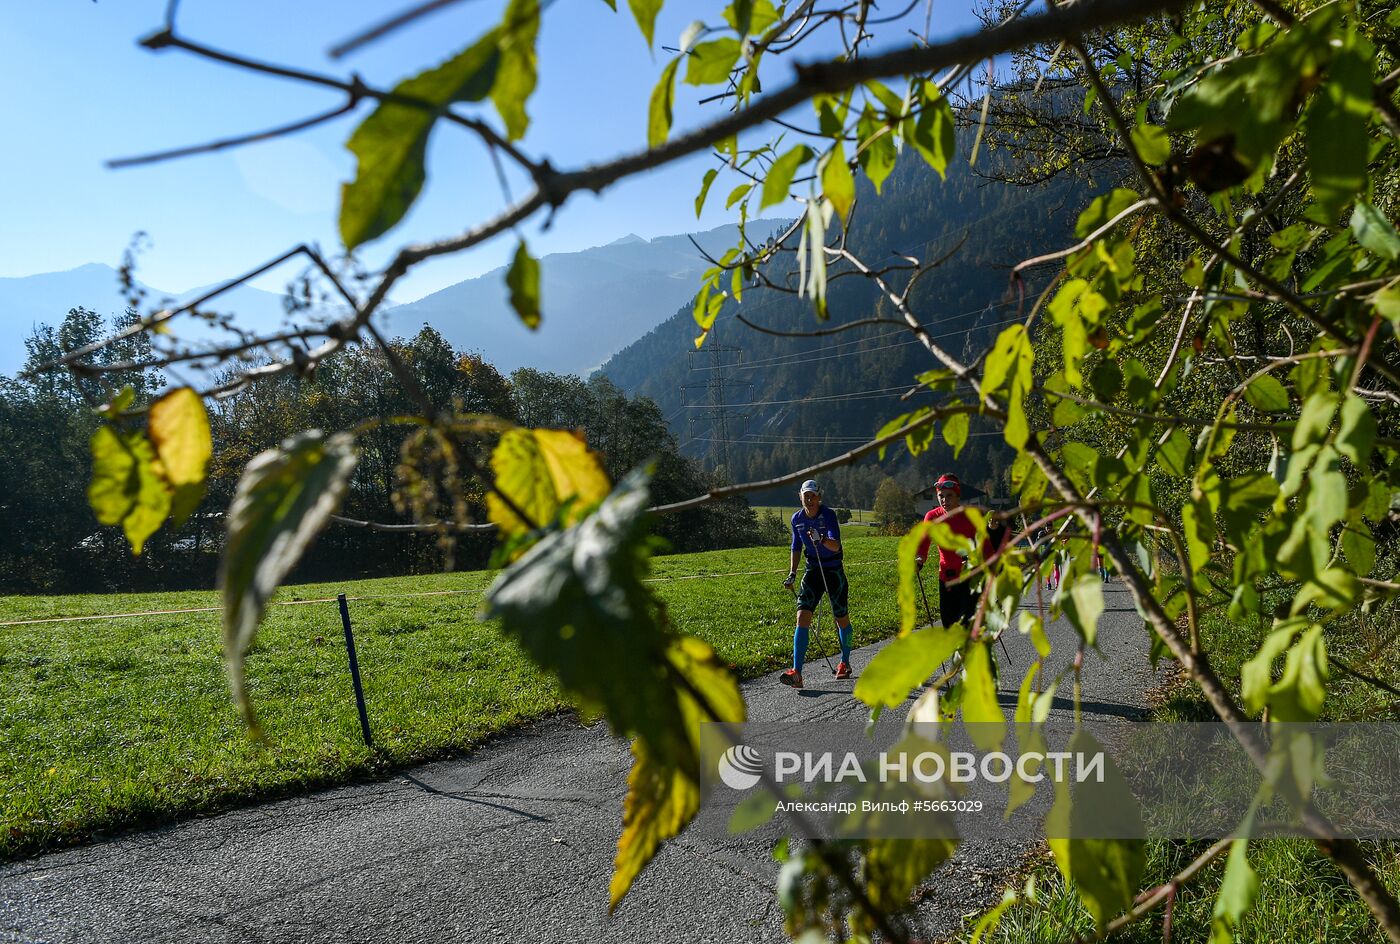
(957, 602)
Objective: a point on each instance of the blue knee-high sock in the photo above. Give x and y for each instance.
(799, 647)
(843, 635)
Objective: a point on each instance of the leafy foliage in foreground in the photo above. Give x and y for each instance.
(1205, 395)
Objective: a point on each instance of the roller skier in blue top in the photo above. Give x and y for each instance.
(817, 535)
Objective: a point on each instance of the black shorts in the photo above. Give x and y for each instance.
(957, 603)
(816, 581)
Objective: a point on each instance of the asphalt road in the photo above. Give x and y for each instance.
(513, 842)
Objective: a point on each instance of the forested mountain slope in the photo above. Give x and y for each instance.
(791, 401)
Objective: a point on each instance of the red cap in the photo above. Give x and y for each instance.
(949, 480)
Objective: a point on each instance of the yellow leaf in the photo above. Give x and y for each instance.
(663, 793)
(180, 431)
(152, 504)
(660, 801)
(539, 470)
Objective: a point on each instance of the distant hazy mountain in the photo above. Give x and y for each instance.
(30, 301)
(595, 302)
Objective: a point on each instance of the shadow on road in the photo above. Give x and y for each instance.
(468, 798)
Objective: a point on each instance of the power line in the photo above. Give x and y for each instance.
(876, 394)
(816, 440)
(717, 411)
(816, 354)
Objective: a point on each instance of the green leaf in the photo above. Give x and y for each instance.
(739, 15)
(1152, 143)
(1005, 358)
(1077, 309)
(1374, 231)
(517, 73)
(1105, 872)
(389, 145)
(1242, 500)
(1360, 547)
(1197, 528)
(1327, 494)
(659, 117)
(523, 281)
(114, 486)
(907, 663)
(955, 431)
(710, 62)
(737, 194)
(779, 179)
(539, 470)
(933, 131)
(838, 185)
(1386, 301)
(908, 577)
(753, 812)
(1314, 419)
(1173, 454)
(893, 868)
(645, 12)
(1300, 690)
(980, 708)
(1102, 209)
(1335, 128)
(1356, 433)
(877, 153)
(1035, 627)
(710, 176)
(284, 498)
(577, 605)
(1266, 393)
(1238, 889)
(1084, 605)
(1106, 380)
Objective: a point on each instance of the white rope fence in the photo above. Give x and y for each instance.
(388, 596)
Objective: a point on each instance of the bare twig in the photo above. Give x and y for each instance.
(239, 141)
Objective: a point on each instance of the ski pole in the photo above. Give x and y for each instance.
(817, 559)
(929, 612)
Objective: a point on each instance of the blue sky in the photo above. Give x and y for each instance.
(84, 92)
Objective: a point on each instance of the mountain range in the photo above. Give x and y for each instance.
(30, 301)
(596, 302)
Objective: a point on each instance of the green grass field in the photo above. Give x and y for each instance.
(120, 721)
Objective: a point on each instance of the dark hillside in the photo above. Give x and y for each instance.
(814, 397)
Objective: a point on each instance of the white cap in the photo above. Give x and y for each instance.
(809, 486)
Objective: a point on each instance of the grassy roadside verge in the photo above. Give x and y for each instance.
(117, 722)
(1302, 896)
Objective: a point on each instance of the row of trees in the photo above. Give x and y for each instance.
(55, 545)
